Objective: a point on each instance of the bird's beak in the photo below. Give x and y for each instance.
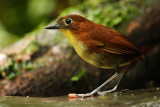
(53, 26)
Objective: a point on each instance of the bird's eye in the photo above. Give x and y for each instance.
(68, 21)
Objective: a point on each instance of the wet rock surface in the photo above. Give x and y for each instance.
(136, 98)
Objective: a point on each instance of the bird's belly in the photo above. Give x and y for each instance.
(95, 59)
(100, 61)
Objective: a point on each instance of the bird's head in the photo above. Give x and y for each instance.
(70, 22)
(75, 28)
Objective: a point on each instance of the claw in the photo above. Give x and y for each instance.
(74, 95)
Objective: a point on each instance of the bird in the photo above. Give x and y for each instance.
(98, 45)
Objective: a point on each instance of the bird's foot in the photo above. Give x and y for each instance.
(103, 93)
(91, 94)
(74, 95)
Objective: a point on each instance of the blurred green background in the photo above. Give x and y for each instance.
(22, 16)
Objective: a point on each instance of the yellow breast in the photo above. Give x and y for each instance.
(78, 45)
(81, 49)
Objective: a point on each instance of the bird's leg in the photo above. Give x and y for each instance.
(96, 91)
(122, 74)
(73, 95)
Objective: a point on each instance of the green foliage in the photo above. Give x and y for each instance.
(82, 73)
(32, 48)
(13, 68)
(24, 15)
(20, 17)
(111, 13)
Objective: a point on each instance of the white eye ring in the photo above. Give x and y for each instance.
(68, 21)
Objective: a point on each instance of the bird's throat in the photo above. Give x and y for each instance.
(78, 45)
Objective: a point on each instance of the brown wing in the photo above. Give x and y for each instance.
(121, 45)
(115, 42)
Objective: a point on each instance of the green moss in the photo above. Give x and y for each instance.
(32, 48)
(13, 68)
(111, 13)
(82, 72)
